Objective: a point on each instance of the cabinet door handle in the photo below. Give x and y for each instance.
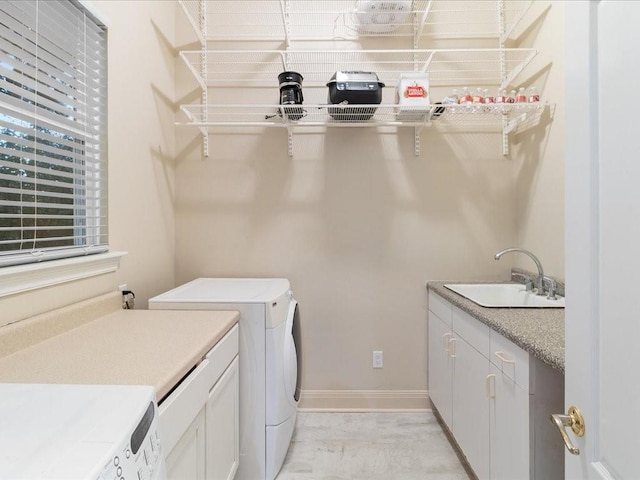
(446, 337)
(502, 358)
(487, 383)
(452, 348)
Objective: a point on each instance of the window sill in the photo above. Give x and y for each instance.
(22, 278)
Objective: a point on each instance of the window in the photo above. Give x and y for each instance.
(53, 163)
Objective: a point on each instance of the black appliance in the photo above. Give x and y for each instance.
(291, 94)
(354, 88)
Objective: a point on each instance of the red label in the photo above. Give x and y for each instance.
(415, 91)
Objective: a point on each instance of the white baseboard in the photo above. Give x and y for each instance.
(364, 400)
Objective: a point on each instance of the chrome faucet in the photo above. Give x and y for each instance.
(553, 287)
(541, 276)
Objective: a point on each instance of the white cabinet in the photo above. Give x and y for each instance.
(509, 428)
(440, 360)
(458, 369)
(508, 388)
(484, 388)
(222, 439)
(199, 420)
(187, 459)
(470, 416)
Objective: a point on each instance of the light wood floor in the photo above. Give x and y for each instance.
(370, 446)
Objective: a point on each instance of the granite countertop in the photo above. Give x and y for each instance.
(539, 331)
(125, 347)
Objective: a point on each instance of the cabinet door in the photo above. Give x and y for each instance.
(471, 406)
(440, 367)
(222, 438)
(187, 459)
(509, 428)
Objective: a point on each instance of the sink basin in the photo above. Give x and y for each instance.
(503, 295)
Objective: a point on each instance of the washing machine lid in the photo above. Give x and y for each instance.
(226, 290)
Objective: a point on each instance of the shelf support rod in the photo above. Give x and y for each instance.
(417, 30)
(193, 68)
(417, 33)
(289, 141)
(284, 11)
(426, 65)
(204, 73)
(507, 33)
(416, 141)
(285, 57)
(503, 72)
(192, 21)
(502, 27)
(505, 135)
(507, 78)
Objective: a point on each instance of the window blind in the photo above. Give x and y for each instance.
(53, 177)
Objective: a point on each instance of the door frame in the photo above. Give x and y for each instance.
(582, 226)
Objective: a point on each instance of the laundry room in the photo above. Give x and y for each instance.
(206, 176)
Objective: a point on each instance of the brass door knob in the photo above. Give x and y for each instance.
(573, 419)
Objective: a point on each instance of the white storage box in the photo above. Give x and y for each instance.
(412, 96)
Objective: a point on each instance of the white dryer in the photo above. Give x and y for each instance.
(270, 361)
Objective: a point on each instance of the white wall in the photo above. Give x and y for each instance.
(539, 152)
(141, 148)
(358, 224)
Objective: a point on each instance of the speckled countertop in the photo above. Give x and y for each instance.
(539, 331)
(124, 347)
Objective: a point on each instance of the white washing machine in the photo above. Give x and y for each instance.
(79, 432)
(269, 361)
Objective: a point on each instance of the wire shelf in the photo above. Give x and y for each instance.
(451, 67)
(296, 24)
(513, 117)
(323, 115)
(313, 20)
(194, 11)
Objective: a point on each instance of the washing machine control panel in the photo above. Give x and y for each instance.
(140, 455)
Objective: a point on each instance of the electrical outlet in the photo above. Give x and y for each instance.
(378, 360)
